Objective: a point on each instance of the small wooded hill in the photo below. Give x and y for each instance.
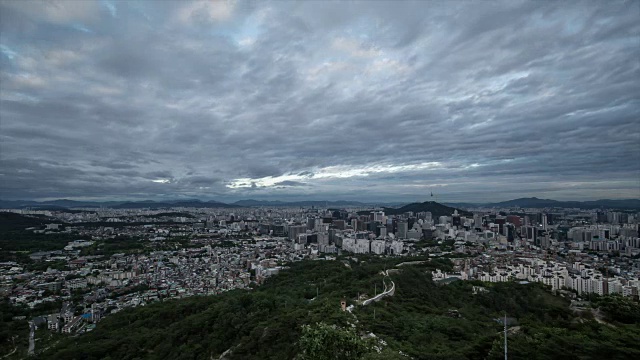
(14, 222)
(266, 323)
(436, 209)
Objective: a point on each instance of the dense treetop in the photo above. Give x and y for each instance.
(283, 319)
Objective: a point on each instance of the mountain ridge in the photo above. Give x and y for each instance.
(534, 202)
(527, 202)
(436, 209)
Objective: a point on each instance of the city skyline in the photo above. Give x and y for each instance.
(361, 101)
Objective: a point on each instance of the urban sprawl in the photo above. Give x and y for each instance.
(193, 251)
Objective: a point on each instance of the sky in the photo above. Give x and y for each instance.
(371, 101)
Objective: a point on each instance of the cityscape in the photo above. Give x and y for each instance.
(319, 180)
(182, 252)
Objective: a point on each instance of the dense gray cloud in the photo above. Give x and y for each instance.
(385, 101)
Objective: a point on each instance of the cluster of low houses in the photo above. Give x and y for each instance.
(65, 320)
(577, 277)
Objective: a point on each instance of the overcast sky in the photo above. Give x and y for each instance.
(380, 101)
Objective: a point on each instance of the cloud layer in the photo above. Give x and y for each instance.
(377, 100)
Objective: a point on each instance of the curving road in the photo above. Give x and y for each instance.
(388, 291)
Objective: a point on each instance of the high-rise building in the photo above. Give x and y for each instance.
(403, 228)
(455, 218)
(332, 235)
(477, 220)
(623, 218)
(530, 233)
(601, 217)
(378, 216)
(427, 233)
(500, 221)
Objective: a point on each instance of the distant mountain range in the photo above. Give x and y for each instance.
(317, 203)
(145, 204)
(169, 204)
(150, 204)
(532, 202)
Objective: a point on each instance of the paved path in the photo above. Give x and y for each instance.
(32, 341)
(9, 354)
(388, 290)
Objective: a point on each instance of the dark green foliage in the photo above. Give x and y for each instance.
(268, 322)
(618, 308)
(12, 332)
(15, 222)
(44, 265)
(96, 224)
(171, 214)
(29, 241)
(262, 324)
(436, 209)
(16, 246)
(328, 342)
(588, 340)
(117, 245)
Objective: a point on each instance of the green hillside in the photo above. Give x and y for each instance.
(419, 321)
(12, 221)
(436, 209)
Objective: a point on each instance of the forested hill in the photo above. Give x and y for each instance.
(11, 221)
(422, 320)
(436, 209)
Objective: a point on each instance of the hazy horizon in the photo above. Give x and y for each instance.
(286, 200)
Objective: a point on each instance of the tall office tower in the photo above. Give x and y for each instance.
(500, 221)
(332, 235)
(296, 230)
(322, 238)
(545, 242)
(428, 216)
(601, 217)
(551, 218)
(455, 218)
(477, 220)
(381, 231)
(403, 228)
(623, 218)
(529, 232)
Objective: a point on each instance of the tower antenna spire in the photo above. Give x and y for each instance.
(505, 335)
